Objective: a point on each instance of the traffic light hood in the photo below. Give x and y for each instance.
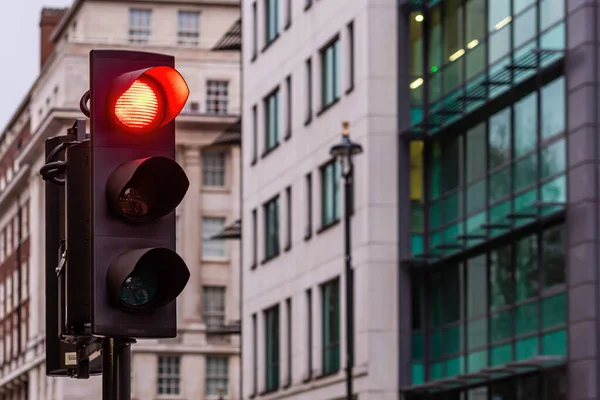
(147, 99)
(146, 279)
(145, 189)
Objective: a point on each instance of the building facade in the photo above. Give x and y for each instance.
(307, 67)
(201, 363)
(475, 222)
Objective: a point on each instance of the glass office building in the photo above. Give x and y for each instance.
(492, 149)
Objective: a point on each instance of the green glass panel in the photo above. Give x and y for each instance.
(526, 172)
(501, 354)
(452, 74)
(555, 343)
(551, 11)
(554, 39)
(500, 186)
(435, 215)
(418, 373)
(475, 84)
(526, 318)
(500, 326)
(554, 311)
(476, 197)
(434, 240)
(500, 138)
(498, 212)
(476, 60)
(554, 159)
(452, 207)
(501, 65)
(499, 40)
(477, 333)
(476, 286)
(473, 227)
(436, 371)
(436, 171)
(554, 191)
(436, 345)
(520, 5)
(526, 274)
(553, 108)
(435, 86)
(525, 27)
(526, 124)
(525, 53)
(416, 115)
(455, 366)
(453, 340)
(501, 286)
(450, 237)
(524, 203)
(553, 256)
(418, 346)
(527, 348)
(476, 145)
(417, 245)
(477, 361)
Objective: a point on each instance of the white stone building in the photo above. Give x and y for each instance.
(201, 35)
(307, 67)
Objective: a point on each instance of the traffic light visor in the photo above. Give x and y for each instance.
(147, 99)
(145, 279)
(145, 189)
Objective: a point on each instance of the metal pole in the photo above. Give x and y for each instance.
(123, 353)
(108, 368)
(348, 198)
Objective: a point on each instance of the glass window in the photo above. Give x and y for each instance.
(553, 256)
(213, 168)
(453, 43)
(501, 291)
(520, 5)
(188, 30)
(217, 376)
(271, 20)
(330, 74)
(213, 306)
(500, 138)
(212, 247)
(451, 294)
(416, 44)
(551, 11)
(553, 108)
(525, 27)
(526, 274)
(272, 228)
(217, 97)
(476, 286)
(272, 348)
(272, 121)
(139, 25)
(526, 125)
(330, 293)
(476, 143)
(499, 19)
(168, 375)
(330, 191)
(452, 154)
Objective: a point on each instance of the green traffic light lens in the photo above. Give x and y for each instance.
(139, 288)
(132, 203)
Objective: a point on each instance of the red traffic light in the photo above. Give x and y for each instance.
(147, 99)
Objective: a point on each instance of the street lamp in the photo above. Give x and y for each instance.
(344, 151)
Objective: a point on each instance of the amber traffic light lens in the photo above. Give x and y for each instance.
(138, 107)
(132, 204)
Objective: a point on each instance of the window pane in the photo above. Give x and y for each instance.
(500, 326)
(500, 138)
(526, 125)
(551, 11)
(526, 274)
(525, 27)
(477, 333)
(416, 45)
(212, 247)
(452, 155)
(553, 108)
(501, 277)
(451, 294)
(554, 159)
(435, 39)
(526, 172)
(553, 256)
(476, 286)
(476, 143)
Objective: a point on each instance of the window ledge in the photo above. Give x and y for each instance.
(215, 260)
(271, 257)
(287, 25)
(308, 235)
(268, 391)
(287, 384)
(216, 189)
(308, 120)
(288, 135)
(308, 6)
(328, 106)
(330, 225)
(270, 43)
(254, 56)
(287, 247)
(269, 151)
(254, 161)
(307, 378)
(324, 375)
(252, 395)
(350, 89)
(253, 266)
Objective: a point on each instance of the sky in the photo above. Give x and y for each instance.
(20, 50)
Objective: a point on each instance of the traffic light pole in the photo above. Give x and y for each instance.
(116, 369)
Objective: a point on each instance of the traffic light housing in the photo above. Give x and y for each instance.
(135, 186)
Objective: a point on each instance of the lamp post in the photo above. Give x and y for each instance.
(344, 151)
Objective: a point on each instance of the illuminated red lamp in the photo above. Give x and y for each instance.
(148, 99)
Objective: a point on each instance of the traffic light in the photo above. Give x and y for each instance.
(135, 186)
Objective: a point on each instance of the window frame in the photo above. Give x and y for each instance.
(217, 96)
(330, 174)
(331, 335)
(272, 348)
(217, 378)
(214, 306)
(188, 36)
(271, 22)
(206, 239)
(214, 166)
(272, 111)
(330, 73)
(140, 34)
(272, 209)
(171, 380)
